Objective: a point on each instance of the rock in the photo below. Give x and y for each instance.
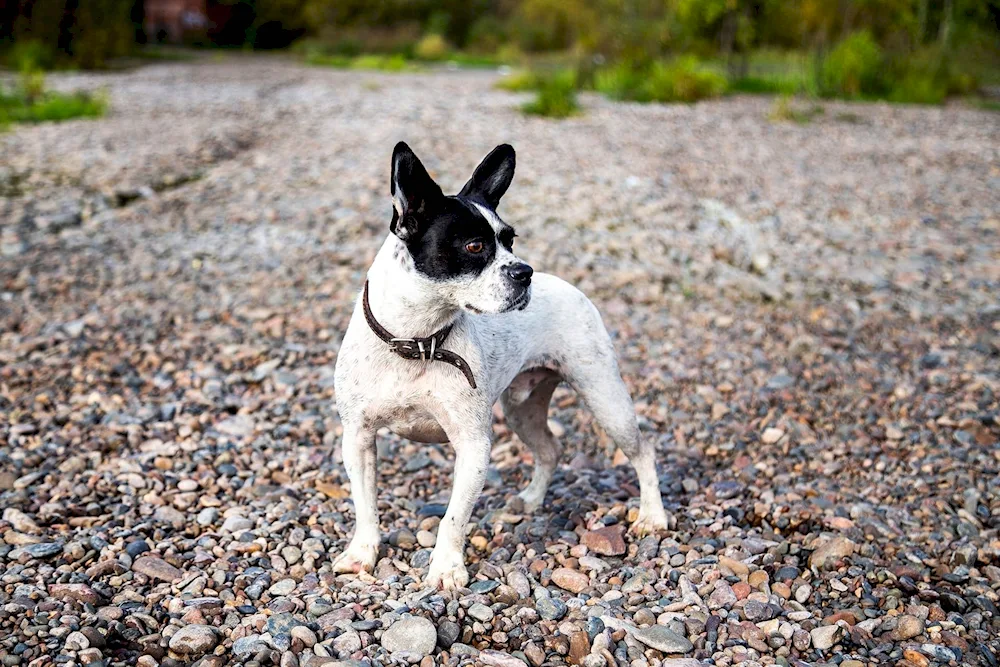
(410, 633)
(534, 654)
(907, 627)
(605, 541)
(772, 435)
(236, 523)
(663, 639)
(304, 635)
(638, 581)
(722, 597)
(550, 609)
(78, 592)
(194, 640)
(20, 521)
(825, 636)
(283, 587)
(519, 582)
(155, 567)
(43, 550)
(492, 658)
(481, 612)
(239, 426)
(573, 581)
(579, 647)
(448, 633)
(248, 645)
(827, 555)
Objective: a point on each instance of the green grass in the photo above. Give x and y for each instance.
(16, 107)
(519, 81)
(556, 97)
(378, 62)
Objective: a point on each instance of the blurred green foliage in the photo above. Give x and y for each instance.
(903, 50)
(556, 96)
(30, 102)
(683, 79)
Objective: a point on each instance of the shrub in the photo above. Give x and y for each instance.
(431, 47)
(556, 97)
(619, 82)
(519, 81)
(681, 80)
(784, 109)
(852, 67)
(918, 88)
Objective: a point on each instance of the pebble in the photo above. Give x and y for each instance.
(663, 639)
(573, 581)
(194, 640)
(410, 633)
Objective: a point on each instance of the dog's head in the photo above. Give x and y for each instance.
(458, 244)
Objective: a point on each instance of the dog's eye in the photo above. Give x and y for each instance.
(475, 247)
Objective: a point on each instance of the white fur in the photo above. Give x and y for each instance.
(517, 357)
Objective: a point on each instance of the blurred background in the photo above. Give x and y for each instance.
(904, 50)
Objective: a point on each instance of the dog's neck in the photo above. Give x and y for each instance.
(403, 301)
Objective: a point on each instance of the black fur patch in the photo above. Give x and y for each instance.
(438, 248)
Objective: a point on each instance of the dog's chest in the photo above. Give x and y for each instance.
(412, 423)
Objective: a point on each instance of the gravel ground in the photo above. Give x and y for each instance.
(807, 318)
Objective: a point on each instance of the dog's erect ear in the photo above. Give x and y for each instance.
(414, 193)
(492, 177)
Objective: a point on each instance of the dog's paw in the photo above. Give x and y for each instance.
(529, 501)
(650, 523)
(356, 559)
(447, 571)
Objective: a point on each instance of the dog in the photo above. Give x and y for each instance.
(448, 322)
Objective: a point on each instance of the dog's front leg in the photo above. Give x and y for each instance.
(447, 568)
(360, 462)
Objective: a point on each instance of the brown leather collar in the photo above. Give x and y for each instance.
(418, 349)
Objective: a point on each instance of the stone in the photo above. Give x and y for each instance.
(825, 636)
(907, 627)
(492, 658)
(663, 639)
(248, 645)
(828, 554)
(155, 567)
(772, 435)
(722, 597)
(78, 592)
(638, 581)
(236, 523)
(573, 581)
(550, 609)
(481, 612)
(194, 640)
(448, 633)
(606, 541)
(579, 647)
(411, 633)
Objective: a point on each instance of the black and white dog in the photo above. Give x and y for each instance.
(450, 321)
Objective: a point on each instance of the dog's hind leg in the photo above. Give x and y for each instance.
(527, 409)
(596, 379)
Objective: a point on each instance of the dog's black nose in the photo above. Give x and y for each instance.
(520, 273)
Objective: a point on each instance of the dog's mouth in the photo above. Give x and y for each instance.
(520, 303)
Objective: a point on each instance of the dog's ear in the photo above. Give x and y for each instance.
(414, 193)
(492, 177)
